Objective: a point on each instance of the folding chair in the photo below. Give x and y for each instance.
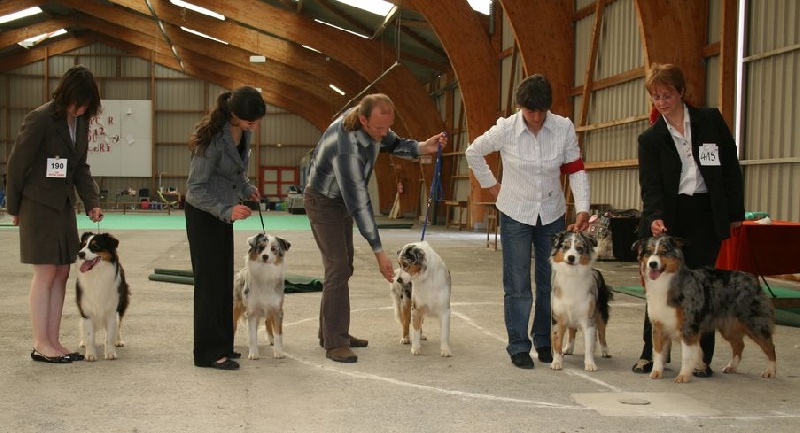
(169, 203)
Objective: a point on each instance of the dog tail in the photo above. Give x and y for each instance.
(604, 295)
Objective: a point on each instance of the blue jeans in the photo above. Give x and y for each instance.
(516, 240)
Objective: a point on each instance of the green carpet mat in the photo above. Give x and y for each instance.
(273, 221)
(783, 316)
(292, 283)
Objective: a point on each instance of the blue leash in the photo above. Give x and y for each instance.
(436, 188)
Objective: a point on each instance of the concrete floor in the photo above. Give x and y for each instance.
(153, 386)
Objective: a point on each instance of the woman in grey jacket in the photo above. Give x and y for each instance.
(217, 183)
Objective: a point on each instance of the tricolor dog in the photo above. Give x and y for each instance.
(258, 291)
(102, 293)
(579, 298)
(429, 277)
(682, 303)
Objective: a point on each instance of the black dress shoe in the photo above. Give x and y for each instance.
(75, 356)
(234, 355)
(708, 372)
(38, 357)
(227, 364)
(545, 354)
(522, 360)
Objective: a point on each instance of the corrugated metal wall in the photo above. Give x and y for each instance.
(619, 50)
(179, 102)
(770, 141)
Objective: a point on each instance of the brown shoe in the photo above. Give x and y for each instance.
(358, 342)
(341, 354)
(354, 342)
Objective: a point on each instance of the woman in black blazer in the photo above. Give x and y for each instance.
(45, 167)
(691, 184)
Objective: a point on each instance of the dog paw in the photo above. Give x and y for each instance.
(90, 358)
(683, 378)
(119, 343)
(556, 365)
(729, 369)
(605, 355)
(590, 366)
(655, 374)
(768, 373)
(415, 351)
(278, 355)
(81, 344)
(111, 356)
(253, 356)
(446, 353)
(405, 340)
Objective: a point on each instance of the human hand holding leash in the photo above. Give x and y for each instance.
(240, 212)
(658, 228)
(432, 144)
(581, 222)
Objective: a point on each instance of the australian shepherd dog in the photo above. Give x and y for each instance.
(102, 293)
(429, 278)
(682, 303)
(258, 291)
(579, 298)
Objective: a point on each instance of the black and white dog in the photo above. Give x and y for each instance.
(258, 291)
(430, 293)
(579, 298)
(102, 293)
(682, 303)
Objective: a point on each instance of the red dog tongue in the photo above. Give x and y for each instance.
(89, 264)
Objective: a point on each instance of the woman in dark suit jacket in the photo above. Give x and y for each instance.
(45, 167)
(691, 184)
(217, 183)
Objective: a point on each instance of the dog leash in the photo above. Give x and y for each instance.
(436, 186)
(261, 217)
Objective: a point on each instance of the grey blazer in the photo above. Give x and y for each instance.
(218, 180)
(42, 136)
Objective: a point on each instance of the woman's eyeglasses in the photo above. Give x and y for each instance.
(663, 97)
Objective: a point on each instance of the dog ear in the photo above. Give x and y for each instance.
(420, 257)
(114, 241)
(283, 243)
(253, 240)
(85, 236)
(588, 238)
(556, 238)
(637, 246)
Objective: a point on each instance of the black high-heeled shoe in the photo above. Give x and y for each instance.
(38, 357)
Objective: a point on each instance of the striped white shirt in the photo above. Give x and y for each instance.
(531, 186)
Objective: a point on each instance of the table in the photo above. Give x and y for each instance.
(763, 249)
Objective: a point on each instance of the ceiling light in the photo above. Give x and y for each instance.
(29, 42)
(198, 9)
(336, 89)
(258, 59)
(339, 28)
(20, 14)
(203, 35)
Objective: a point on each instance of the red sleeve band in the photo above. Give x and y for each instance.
(572, 167)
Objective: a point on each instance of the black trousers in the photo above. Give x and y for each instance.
(694, 223)
(211, 248)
